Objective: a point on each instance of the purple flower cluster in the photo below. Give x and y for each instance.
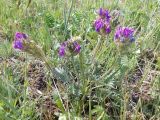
(124, 34)
(18, 40)
(102, 23)
(73, 47)
(104, 14)
(102, 26)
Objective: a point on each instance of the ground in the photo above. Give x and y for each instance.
(104, 81)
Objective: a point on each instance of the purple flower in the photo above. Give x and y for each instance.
(69, 46)
(98, 24)
(18, 40)
(62, 49)
(104, 14)
(127, 32)
(132, 38)
(107, 16)
(107, 28)
(20, 36)
(102, 24)
(18, 44)
(77, 47)
(123, 34)
(101, 12)
(118, 33)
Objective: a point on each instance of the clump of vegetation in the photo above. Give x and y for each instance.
(79, 59)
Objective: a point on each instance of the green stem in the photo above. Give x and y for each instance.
(54, 73)
(90, 104)
(97, 49)
(67, 19)
(82, 67)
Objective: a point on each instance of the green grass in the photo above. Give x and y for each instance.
(98, 87)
